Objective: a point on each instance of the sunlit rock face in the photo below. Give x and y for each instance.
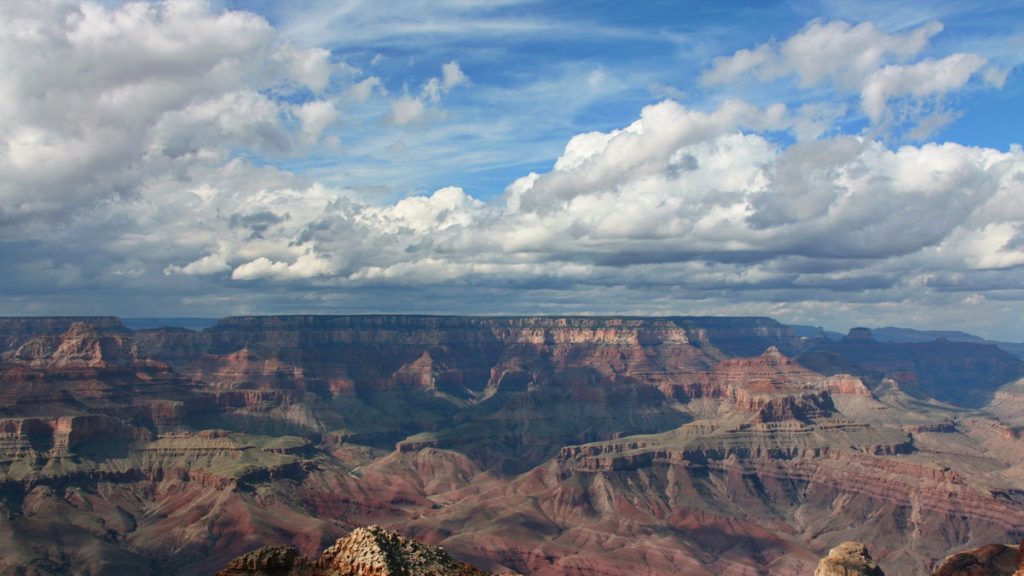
(370, 551)
(535, 445)
(848, 559)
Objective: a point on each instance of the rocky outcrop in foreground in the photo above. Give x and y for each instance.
(990, 560)
(371, 551)
(848, 559)
(853, 559)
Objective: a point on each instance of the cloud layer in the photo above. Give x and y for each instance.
(144, 157)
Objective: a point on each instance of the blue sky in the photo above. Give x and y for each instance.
(530, 62)
(531, 74)
(834, 163)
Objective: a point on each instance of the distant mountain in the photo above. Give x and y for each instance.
(967, 374)
(910, 335)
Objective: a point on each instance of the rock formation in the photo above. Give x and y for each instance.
(989, 560)
(370, 551)
(848, 559)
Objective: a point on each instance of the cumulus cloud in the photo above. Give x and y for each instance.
(243, 118)
(679, 197)
(453, 76)
(209, 264)
(362, 91)
(865, 61)
(410, 110)
(407, 110)
(97, 99)
(762, 59)
(723, 193)
(836, 51)
(308, 67)
(315, 116)
(443, 209)
(600, 162)
(306, 265)
(995, 76)
(925, 78)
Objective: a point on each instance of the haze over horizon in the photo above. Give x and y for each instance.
(823, 162)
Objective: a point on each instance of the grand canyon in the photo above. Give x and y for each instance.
(511, 288)
(521, 445)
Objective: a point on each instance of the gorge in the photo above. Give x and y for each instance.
(530, 445)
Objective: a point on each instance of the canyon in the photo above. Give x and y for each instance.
(521, 445)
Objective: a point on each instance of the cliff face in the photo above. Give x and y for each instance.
(530, 445)
(458, 354)
(87, 369)
(16, 331)
(1008, 403)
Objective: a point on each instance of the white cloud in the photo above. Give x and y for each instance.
(443, 209)
(816, 118)
(309, 67)
(96, 99)
(995, 76)
(453, 76)
(362, 91)
(683, 188)
(925, 78)
(836, 51)
(411, 110)
(989, 247)
(407, 110)
(244, 118)
(306, 265)
(931, 123)
(209, 264)
(845, 53)
(597, 162)
(315, 116)
(865, 61)
(729, 68)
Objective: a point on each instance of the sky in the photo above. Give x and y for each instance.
(831, 162)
